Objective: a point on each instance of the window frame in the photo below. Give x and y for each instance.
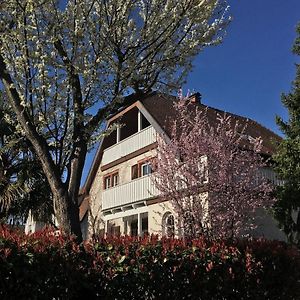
(115, 179)
(111, 177)
(148, 168)
(137, 169)
(107, 182)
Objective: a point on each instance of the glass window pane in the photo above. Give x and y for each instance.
(146, 169)
(107, 182)
(115, 180)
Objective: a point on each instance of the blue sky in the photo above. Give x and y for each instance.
(247, 73)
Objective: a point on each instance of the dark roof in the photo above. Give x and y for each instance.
(161, 108)
(127, 101)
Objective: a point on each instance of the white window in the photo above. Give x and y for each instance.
(146, 169)
(107, 182)
(111, 180)
(141, 169)
(115, 179)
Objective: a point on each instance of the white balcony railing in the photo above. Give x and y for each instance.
(133, 143)
(269, 173)
(129, 193)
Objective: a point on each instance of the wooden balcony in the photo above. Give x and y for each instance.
(125, 196)
(131, 144)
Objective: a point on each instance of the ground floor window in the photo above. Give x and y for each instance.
(134, 226)
(145, 225)
(114, 230)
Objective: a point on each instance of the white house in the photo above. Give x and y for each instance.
(119, 197)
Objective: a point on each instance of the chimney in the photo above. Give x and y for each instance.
(195, 98)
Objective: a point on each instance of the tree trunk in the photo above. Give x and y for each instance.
(67, 214)
(76, 169)
(65, 203)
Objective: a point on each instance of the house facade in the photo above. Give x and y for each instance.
(119, 196)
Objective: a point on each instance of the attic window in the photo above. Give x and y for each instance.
(145, 122)
(129, 123)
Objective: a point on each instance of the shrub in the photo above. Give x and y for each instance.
(46, 266)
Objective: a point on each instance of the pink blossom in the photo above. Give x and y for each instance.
(210, 173)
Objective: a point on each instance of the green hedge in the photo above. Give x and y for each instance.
(45, 266)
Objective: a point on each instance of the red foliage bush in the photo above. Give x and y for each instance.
(49, 266)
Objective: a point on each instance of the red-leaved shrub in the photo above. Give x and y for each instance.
(49, 266)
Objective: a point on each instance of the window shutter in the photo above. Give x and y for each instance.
(134, 172)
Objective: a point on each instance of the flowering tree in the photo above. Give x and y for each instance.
(210, 172)
(65, 68)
